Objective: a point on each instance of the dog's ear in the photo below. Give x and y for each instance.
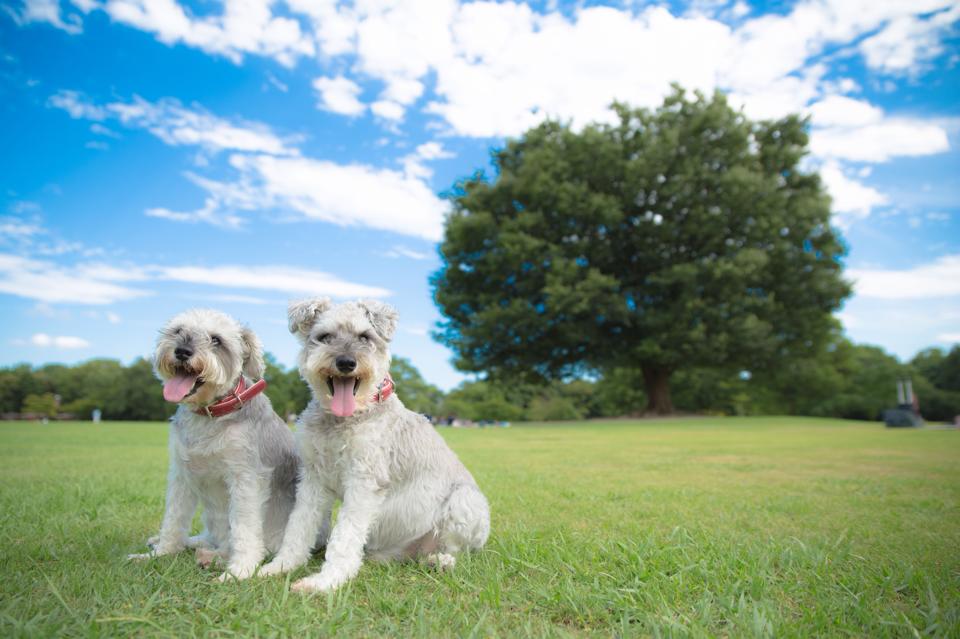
(383, 317)
(253, 365)
(302, 315)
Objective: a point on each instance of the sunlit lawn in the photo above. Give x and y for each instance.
(703, 527)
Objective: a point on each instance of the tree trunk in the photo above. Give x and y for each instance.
(656, 381)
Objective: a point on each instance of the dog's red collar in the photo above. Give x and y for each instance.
(234, 401)
(384, 390)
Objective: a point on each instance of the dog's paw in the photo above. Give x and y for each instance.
(141, 556)
(272, 568)
(278, 566)
(205, 557)
(237, 572)
(152, 541)
(315, 583)
(441, 561)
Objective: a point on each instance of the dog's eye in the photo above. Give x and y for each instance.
(215, 340)
(324, 339)
(364, 338)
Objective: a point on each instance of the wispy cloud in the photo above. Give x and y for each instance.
(58, 341)
(229, 299)
(403, 251)
(48, 282)
(102, 284)
(352, 195)
(177, 125)
(284, 279)
(242, 28)
(852, 200)
(45, 11)
(940, 278)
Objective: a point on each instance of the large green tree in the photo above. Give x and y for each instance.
(677, 237)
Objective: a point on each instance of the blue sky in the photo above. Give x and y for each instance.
(161, 155)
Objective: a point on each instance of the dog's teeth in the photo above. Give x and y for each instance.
(356, 386)
(330, 384)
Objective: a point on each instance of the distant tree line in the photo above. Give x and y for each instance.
(844, 380)
(133, 392)
(847, 380)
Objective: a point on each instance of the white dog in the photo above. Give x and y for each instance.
(405, 494)
(228, 449)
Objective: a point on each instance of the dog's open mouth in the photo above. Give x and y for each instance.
(182, 385)
(343, 391)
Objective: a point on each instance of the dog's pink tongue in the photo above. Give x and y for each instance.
(176, 388)
(343, 403)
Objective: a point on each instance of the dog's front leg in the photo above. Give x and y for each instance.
(361, 505)
(245, 513)
(311, 509)
(181, 503)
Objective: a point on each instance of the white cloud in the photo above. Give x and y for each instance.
(388, 110)
(908, 41)
(77, 106)
(414, 165)
(58, 341)
(290, 280)
(113, 318)
(13, 227)
(940, 278)
(513, 67)
(949, 338)
(880, 141)
(230, 299)
(839, 110)
(501, 67)
(48, 282)
(345, 195)
(177, 125)
(339, 95)
(851, 200)
(403, 251)
(46, 11)
(101, 284)
(244, 27)
(99, 129)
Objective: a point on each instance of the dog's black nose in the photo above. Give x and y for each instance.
(182, 353)
(346, 364)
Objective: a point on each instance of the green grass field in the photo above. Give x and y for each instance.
(777, 527)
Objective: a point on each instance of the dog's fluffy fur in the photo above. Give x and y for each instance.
(404, 492)
(241, 467)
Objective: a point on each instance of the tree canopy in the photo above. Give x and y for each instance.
(685, 236)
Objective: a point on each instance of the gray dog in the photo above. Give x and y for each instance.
(405, 494)
(228, 449)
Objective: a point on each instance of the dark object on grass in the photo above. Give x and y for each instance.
(907, 413)
(902, 417)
